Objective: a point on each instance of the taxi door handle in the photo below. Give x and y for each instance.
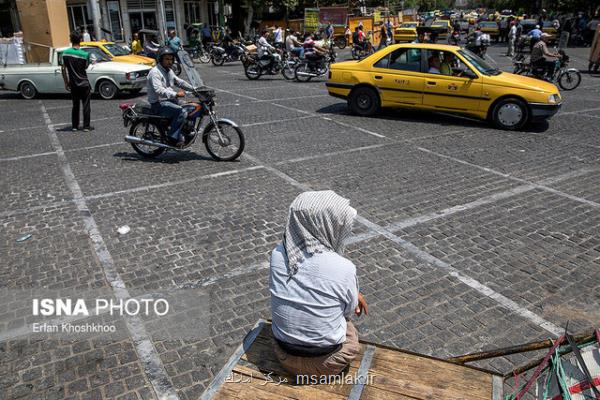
(378, 77)
(431, 83)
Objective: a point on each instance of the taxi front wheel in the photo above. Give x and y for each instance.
(510, 114)
(364, 101)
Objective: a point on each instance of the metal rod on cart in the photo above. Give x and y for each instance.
(521, 348)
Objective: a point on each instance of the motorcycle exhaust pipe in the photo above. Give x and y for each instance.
(137, 140)
(307, 74)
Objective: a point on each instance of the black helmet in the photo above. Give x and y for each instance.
(164, 51)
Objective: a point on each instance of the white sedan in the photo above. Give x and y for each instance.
(107, 78)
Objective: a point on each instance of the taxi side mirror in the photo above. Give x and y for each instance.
(467, 73)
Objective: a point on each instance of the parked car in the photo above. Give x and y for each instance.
(400, 76)
(443, 27)
(107, 78)
(406, 32)
(116, 52)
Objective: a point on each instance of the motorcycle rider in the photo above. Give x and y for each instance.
(229, 45)
(540, 52)
(265, 50)
(163, 98)
(293, 46)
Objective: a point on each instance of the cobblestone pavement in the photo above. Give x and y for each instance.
(468, 238)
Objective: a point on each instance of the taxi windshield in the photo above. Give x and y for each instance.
(96, 55)
(116, 50)
(482, 65)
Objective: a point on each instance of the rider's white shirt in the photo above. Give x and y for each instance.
(161, 83)
(263, 47)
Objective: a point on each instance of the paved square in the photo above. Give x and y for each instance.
(468, 237)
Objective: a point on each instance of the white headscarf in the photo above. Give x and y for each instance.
(317, 221)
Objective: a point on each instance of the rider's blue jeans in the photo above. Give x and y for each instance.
(174, 112)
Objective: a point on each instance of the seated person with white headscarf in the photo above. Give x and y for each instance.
(314, 290)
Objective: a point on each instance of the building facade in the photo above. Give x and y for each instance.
(120, 19)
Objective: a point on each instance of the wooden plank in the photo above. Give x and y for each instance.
(375, 393)
(259, 390)
(419, 377)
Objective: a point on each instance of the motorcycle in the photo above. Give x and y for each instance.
(220, 56)
(480, 49)
(201, 52)
(290, 62)
(359, 52)
(223, 138)
(314, 65)
(567, 78)
(254, 67)
(340, 42)
(455, 38)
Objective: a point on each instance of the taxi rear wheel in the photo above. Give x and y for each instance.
(364, 101)
(510, 114)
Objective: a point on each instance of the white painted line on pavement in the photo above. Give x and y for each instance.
(484, 200)
(17, 158)
(430, 259)
(274, 121)
(508, 176)
(307, 113)
(142, 341)
(579, 111)
(66, 151)
(171, 183)
(270, 100)
(333, 153)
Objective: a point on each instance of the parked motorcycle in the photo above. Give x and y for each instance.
(223, 138)
(254, 67)
(567, 78)
(314, 65)
(220, 56)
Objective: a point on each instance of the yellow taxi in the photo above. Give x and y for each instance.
(549, 28)
(444, 78)
(491, 28)
(118, 53)
(406, 32)
(444, 27)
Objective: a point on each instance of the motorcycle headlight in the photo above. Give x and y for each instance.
(554, 99)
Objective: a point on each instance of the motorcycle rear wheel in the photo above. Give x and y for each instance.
(204, 57)
(233, 140)
(147, 130)
(341, 44)
(252, 71)
(569, 80)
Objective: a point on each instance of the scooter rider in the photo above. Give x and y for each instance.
(163, 98)
(542, 57)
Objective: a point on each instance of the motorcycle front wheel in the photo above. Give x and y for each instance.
(218, 59)
(252, 71)
(569, 80)
(303, 73)
(341, 44)
(226, 147)
(204, 57)
(288, 71)
(148, 130)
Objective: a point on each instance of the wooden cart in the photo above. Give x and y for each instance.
(379, 372)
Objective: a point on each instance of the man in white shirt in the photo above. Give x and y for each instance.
(314, 290)
(265, 50)
(278, 37)
(512, 37)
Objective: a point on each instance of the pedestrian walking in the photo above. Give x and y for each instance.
(383, 39)
(278, 37)
(74, 66)
(512, 37)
